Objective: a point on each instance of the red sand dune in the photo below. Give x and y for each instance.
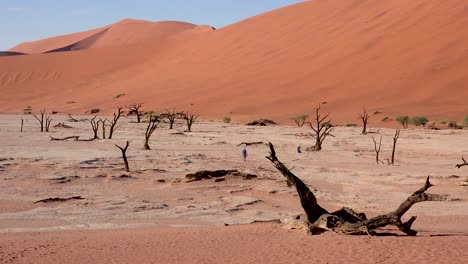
(395, 56)
(47, 44)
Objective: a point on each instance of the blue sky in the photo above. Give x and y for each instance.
(29, 20)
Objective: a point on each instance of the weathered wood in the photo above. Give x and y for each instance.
(135, 109)
(72, 119)
(171, 117)
(251, 143)
(95, 127)
(189, 119)
(50, 200)
(365, 119)
(113, 122)
(65, 138)
(346, 220)
(462, 164)
(377, 149)
(322, 129)
(395, 139)
(103, 122)
(153, 123)
(308, 200)
(44, 120)
(124, 154)
(62, 125)
(207, 174)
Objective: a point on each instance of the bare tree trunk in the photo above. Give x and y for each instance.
(395, 138)
(41, 120)
(72, 119)
(462, 164)
(377, 149)
(124, 155)
(190, 119)
(153, 123)
(76, 138)
(346, 220)
(47, 122)
(364, 118)
(308, 200)
(103, 121)
(44, 121)
(135, 109)
(113, 123)
(322, 129)
(171, 117)
(95, 127)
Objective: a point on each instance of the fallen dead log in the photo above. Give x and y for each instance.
(206, 174)
(251, 143)
(462, 164)
(62, 125)
(76, 138)
(51, 200)
(346, 220)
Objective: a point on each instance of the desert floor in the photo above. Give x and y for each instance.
(156, 216)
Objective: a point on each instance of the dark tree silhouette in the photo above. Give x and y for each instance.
(124, 154)
(364, 118)
(377, 149)
(134, 109)
(395, 139)
(44, 120)
(189, 119)
(153, 123)
(321, 127)
(171, 116)
(113, 122)
(347, 221)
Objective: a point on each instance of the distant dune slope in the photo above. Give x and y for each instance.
(52, 43)
(122, 33)
(395, 56)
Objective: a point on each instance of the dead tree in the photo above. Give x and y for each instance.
(153, 123)
(44, 121)
(322, 129)
(103, 122)
(377, 149)
(346, 220)
(364, 118)
(72, 119)
(113, 122)
(395, 138)
(171, 117)
(189, 119)
(76, 138)
(124, 155)
(462, 164)
(95, 126)
(135, 110)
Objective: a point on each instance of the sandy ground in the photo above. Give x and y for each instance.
(156, 216)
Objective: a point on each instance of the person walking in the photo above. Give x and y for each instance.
(244, 154)
(299, 149)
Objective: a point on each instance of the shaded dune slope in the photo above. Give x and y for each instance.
(10, 53)
(396, 56)
(53, 43)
